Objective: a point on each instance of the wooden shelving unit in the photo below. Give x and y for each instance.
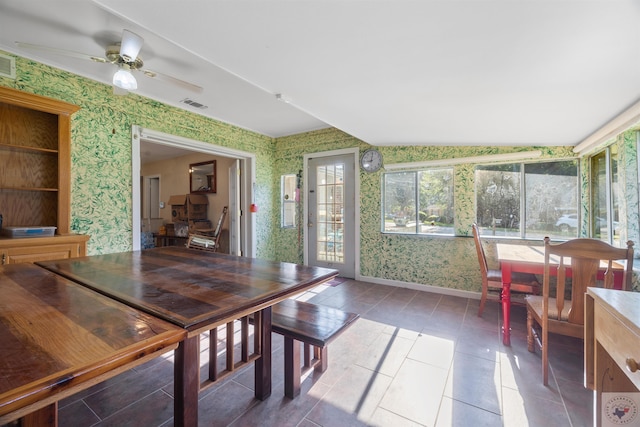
(35, 186)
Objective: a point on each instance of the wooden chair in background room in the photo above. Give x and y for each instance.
(588, 262)
(208, 241)
(521, 283)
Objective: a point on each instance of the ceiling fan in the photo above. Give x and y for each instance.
(123, 54)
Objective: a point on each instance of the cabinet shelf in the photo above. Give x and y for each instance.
(28, 189)
(26, 148)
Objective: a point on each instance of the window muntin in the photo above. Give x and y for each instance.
(288, 188)
(530, 200)
(418, 202)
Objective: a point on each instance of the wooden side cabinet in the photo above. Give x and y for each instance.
(35, 176)
(612, 349)
(32, 249)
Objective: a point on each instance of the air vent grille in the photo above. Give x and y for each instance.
(7, 66)
(194, 104)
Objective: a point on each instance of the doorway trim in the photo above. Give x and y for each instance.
(307, 157)
(247, 165)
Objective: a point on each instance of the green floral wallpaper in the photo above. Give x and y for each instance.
(437, 261)
(101, 174)
(102, 181)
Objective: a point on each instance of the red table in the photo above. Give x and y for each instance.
(525, 259)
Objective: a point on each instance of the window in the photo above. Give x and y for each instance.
(418, 202)
(528, 200)
(288, 196)
(605, 200)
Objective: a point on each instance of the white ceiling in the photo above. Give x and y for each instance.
(430, 72)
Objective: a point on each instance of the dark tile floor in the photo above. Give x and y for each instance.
(412, 359)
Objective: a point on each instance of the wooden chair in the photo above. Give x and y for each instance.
(588, 262)
(208, 241)
(492, 279)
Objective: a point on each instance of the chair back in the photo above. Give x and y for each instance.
(216, 232)
(482, 259)
(589, 263)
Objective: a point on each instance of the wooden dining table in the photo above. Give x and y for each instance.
(57, 338)
(516, 258)
(197, 291)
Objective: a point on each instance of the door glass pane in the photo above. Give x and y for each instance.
(330, 209)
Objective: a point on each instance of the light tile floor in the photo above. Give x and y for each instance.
(413, 359)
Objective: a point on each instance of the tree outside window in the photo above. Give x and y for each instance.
(418, 202)
(531, 200)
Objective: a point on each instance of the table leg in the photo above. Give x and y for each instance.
(505, 299)
(186, 383)
(506, 313)
(47, 416)
(263, 363)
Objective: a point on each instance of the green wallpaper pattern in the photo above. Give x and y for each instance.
(437, 261)
(102, 181)
(101, 203)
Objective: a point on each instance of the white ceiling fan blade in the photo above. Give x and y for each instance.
(130, 45)
(57, 51)
(189, 86)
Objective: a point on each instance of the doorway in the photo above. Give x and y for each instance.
(244, 224)
(332, 211)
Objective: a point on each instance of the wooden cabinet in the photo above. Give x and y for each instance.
(32, 249)
(35, 183)
(612, 350)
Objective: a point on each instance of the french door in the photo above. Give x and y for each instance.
(331, 213)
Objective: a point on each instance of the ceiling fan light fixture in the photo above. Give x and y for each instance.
(125, 80)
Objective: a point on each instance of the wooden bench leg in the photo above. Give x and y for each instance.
(307, 355)
(291, 368)
(323, 355)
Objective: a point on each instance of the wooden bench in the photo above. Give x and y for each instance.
(313, 325)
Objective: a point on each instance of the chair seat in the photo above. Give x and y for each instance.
(535, 303)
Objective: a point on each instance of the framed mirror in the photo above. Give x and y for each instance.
(202, 177)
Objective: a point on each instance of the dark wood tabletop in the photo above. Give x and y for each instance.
(197, 291)
(58, 337)
(193, 289)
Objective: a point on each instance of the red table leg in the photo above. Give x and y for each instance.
(505, 298)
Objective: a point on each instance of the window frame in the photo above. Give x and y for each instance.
(288, 201)
(522, 170)
(415, 231)
(608, 198)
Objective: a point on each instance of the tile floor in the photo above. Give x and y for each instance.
(412, 359)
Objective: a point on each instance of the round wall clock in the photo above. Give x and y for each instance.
(371, 160)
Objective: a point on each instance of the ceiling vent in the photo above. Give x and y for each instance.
(7, 66)
(194, 104)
